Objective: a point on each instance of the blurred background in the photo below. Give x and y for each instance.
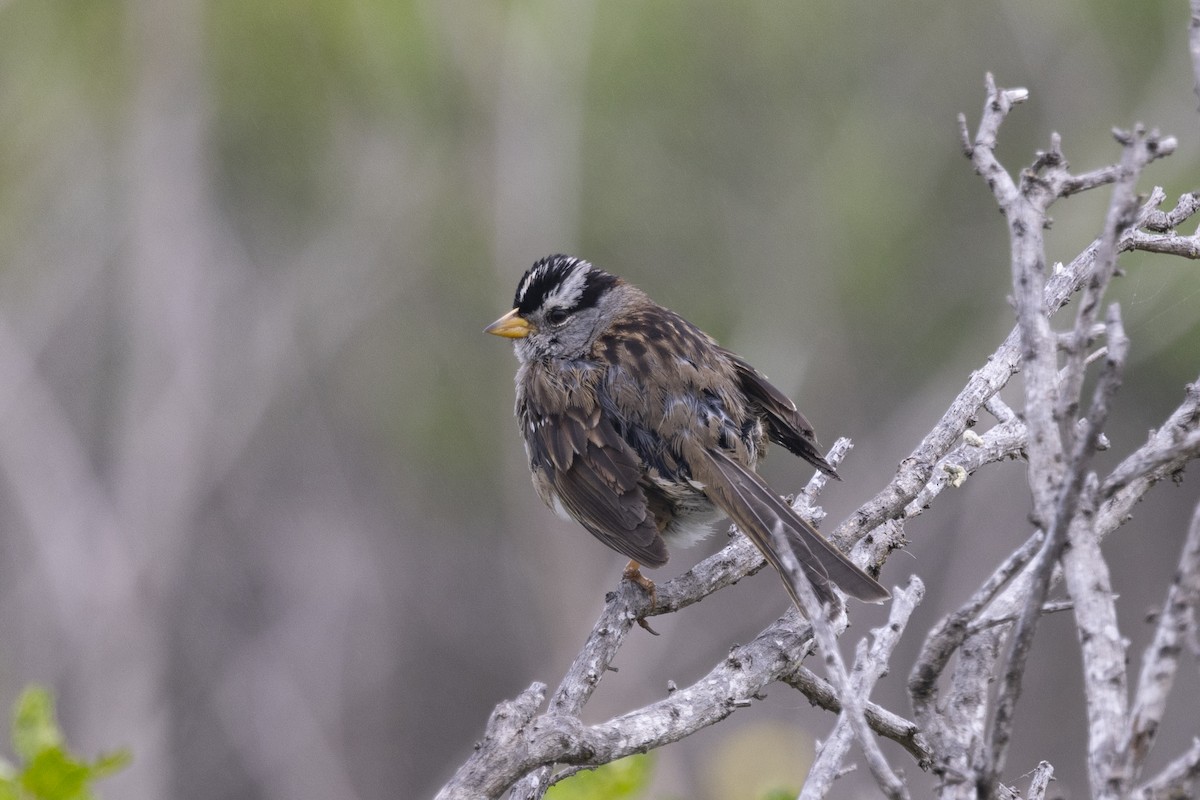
(264, 514)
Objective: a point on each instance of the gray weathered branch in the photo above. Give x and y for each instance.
(1179, 779)
(1058, 457)
(1194, 45)
(1070, 504)
(870, 664)
(1161, 658)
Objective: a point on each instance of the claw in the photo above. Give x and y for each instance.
(633, 573)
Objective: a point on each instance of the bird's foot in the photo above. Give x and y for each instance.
(634, 574)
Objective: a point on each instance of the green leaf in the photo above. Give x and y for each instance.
(781, 794)
(50, 771)
(9, 789)
(108, 763)
(34, 728)
(54, 775)
(621, 779)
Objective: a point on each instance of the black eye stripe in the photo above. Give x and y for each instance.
(597, 284)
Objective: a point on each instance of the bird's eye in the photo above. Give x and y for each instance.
(557, 316)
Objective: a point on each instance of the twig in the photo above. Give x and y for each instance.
(1167, 244)
(1050, 607)
(1159, 235)
(853, 691)
(1150, 460)
(1025, 211)
(589, 667)
(949, 634)
(950, 728)
(1040, 782)
(883, 722)
(1167, 221)
(1177, 780)
(1140, 149)
(1057, 492)
(1089, 586)
(828, 767)
(561, 738)
(1105, 681)
(916, 471)
(1003, 441)
(1161, 658)
(870, 664)
(1194, 45)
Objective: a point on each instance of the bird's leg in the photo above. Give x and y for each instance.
(633, 573)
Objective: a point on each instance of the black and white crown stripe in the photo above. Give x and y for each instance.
(560, 281)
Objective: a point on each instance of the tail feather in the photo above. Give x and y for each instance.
(756, 510)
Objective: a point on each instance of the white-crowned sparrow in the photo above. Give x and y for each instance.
(642, 428)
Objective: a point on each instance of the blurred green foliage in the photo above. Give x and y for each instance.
(626, 778)
(46, 769)
(781, 794)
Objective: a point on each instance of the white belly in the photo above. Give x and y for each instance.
(693, 526)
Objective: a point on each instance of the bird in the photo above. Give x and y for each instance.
(646, 431)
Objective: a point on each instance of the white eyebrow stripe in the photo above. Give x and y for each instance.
(567, 293)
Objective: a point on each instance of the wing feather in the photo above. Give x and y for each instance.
(785, 424)
(596, 477)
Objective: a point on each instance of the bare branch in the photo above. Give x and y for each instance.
(1159, 148)
(1156, 233)
(1068, 500)
(870, 664)
(561, 738)
(1172, 244)
(497, 756)
(621, 609)
(1053, 445)
(1167, 450)
(1161, 658)
(1104, 679)
(1140, 150)
(1194, 45)
(1168, 221)
(1004, 441)
(1089, 586)
(1178, 780)
(1040, 782)
(954, 725)
(918, 469)
(885, 723)
(558, 737)
(949, 634)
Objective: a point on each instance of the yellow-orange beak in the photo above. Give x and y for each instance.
(510, 326)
